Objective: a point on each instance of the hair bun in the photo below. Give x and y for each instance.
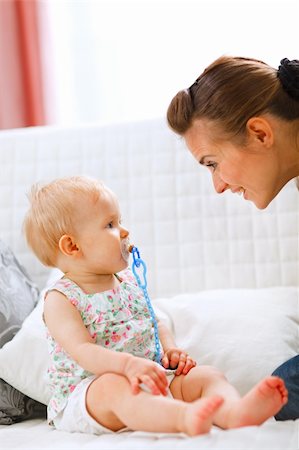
(288, 74)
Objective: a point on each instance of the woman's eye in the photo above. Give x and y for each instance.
(213, 165)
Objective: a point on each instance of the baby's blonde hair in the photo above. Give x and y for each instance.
(51, 211)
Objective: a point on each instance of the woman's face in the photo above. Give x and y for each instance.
(252, 170)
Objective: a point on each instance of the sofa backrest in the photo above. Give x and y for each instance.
(190, 237)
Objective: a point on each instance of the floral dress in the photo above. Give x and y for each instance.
(118, 319)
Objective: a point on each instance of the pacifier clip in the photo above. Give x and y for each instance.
(139, 264)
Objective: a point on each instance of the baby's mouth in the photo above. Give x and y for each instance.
(126, 249)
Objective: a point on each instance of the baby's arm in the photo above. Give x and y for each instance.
(166, 337)
(174, 357)
(67, 328)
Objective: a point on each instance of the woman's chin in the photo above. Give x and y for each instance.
(261, 203)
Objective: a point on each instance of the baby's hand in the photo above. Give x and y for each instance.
(179, 359)
(140, 370)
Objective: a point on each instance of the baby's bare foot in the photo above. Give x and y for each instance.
(199, 415)
(261, 403)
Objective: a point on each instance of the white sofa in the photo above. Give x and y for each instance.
(223, 273)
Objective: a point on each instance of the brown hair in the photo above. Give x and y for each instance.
(51, 213)
(229, 92)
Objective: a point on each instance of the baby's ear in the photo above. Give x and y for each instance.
(67, 245)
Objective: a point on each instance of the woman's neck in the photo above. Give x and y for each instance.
(287, 143)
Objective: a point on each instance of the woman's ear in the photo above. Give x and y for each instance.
(67, 245)
(259, 128)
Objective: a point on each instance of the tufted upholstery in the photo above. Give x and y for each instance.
(190, 237)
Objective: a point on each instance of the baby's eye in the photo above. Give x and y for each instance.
(110, 225)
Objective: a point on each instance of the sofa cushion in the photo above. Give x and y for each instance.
(16, 406)
(18, 294)
(18, 297)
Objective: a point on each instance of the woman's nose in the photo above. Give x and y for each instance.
(219, 185)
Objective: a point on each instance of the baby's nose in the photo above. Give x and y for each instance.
(124, 233)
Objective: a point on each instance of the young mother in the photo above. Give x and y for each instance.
(241, 120)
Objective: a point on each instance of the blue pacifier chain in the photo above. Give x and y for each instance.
(138, 263)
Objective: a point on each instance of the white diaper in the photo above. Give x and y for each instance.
(76, 418)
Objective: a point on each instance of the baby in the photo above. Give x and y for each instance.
(103, 373)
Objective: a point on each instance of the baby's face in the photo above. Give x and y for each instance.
(101, 238)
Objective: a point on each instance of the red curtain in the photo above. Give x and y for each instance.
(21, 87)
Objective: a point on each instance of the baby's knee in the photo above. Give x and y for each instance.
(101, 396)
(111, 379)
(211, 372)
(106, 387)
(108, 383)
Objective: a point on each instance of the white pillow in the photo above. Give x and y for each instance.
(25, 360)
(245, 333)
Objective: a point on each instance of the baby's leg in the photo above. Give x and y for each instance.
(261, 403)
(110, 402)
